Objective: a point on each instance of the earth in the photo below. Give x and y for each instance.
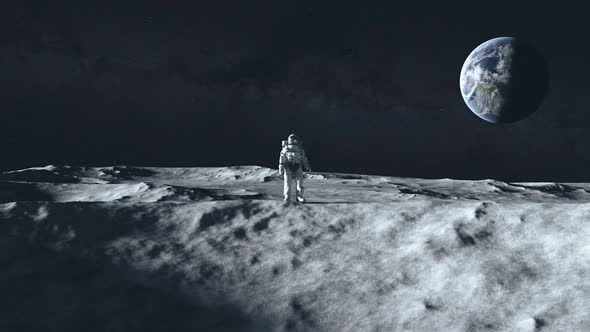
(504, 80)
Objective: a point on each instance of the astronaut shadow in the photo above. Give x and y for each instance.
(328, 202)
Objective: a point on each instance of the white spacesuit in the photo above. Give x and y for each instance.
(292, 163)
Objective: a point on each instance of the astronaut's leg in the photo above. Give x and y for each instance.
(287, 177)
(299, 180)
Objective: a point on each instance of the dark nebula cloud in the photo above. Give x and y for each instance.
(370, 88)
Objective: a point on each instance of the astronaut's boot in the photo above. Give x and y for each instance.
(300, 198)
(299, 188)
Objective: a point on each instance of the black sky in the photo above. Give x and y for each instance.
(370, 87)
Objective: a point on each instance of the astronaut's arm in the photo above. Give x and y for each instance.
(281, 164)
(305, 162)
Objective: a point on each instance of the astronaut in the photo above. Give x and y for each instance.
(292, 163)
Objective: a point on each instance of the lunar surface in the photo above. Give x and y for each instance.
(214, 249)
(503, 80)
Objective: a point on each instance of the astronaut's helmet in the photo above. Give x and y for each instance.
(293, 139)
